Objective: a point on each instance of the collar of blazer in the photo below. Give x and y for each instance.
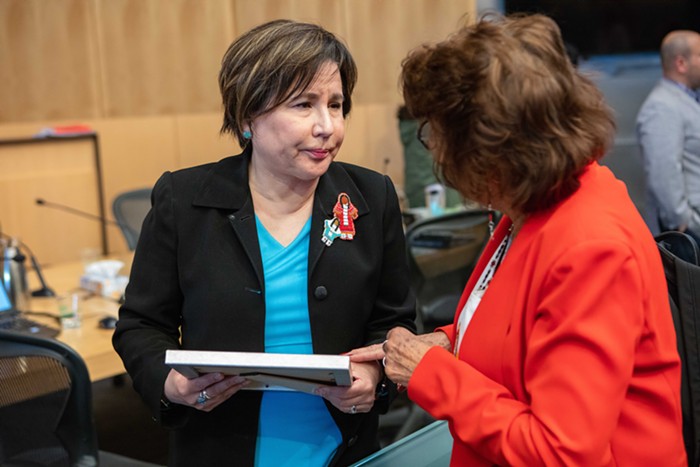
(225, 186)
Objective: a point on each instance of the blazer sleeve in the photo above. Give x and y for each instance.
(149, 319)
(395, 304)
(579, 357)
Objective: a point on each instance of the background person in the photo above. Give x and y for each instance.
(565, 346)
(232, 257)
(668, 130)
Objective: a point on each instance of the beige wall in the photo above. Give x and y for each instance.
(143, 74)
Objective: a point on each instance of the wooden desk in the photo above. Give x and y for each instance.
(91, 342)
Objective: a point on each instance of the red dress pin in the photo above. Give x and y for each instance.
(346, 213)
(342, 225)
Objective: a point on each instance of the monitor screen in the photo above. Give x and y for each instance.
(604, 27)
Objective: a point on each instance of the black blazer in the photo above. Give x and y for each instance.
(197, 269)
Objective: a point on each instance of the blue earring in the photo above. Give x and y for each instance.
(247, 134)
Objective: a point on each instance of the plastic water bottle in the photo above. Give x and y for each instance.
(435, 199)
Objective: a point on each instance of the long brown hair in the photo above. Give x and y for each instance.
(508, 110)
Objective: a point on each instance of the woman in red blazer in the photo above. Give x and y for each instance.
(566, 351)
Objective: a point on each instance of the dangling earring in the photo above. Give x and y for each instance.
(492, 224)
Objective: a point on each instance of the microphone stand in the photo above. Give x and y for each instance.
(102, 219)
(62, 207)
(45, 290)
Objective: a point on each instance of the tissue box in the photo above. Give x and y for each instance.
(112, 287)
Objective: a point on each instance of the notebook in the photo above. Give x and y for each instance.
(11, 319)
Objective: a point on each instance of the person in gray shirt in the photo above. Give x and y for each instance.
(668, 131)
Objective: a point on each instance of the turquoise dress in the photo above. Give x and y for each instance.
(295, 428)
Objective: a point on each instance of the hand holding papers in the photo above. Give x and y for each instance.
(271, 371)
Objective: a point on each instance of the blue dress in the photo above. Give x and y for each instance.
(295, 428)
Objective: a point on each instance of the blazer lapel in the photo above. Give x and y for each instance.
(331, 184)
(226, 188)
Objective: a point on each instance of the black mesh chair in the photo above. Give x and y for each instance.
(680, 256)
(130, 208)
(442, 252)
(46, 416)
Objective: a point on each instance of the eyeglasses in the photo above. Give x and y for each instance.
(424, 135)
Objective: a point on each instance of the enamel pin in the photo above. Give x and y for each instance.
(330, 231)
(342, 225)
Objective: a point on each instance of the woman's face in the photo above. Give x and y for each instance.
(297, 140)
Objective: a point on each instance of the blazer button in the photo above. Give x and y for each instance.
(320, 293)
(352, 441)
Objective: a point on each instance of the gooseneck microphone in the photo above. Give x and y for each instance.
(78, 212)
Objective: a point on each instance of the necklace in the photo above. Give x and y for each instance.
(477, 293)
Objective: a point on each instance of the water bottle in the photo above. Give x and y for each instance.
(435, 199)
(14, 274)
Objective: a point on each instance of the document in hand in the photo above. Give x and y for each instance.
(270, 371)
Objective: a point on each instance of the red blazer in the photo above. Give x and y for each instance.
(570, 359)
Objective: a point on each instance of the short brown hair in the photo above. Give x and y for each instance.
(273, 62)
(508, 108)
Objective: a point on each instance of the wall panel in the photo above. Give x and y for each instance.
(198, 139)
(250, 13)
(143, 74)
(135, 152)
(372, 140)
(58, 171)
(48, 68)
(162, 56)
(382, 32)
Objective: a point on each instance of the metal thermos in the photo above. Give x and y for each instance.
(14, 274)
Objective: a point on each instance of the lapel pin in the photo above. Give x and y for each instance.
(330, 231)
(346, 213)
(342, 225)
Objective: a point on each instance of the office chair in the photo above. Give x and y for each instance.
(46, 416)
(442, 252)
(130, 208)
(680, 257)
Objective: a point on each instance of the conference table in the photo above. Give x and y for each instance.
(94, 344)
(428, 447)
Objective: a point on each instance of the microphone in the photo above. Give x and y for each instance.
(63, 207)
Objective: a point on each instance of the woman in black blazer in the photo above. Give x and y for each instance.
(198, 280)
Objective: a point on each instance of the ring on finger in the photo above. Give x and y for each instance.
(353, 409)
(384, 361)
(203, 397)
(384, 346)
